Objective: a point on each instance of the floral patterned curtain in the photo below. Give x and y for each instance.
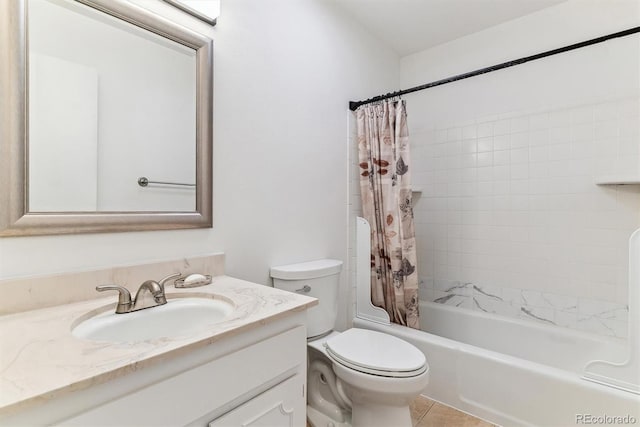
(385, 184)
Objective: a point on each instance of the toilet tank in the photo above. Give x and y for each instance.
(319, 279)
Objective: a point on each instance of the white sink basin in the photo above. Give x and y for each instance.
(177, 318)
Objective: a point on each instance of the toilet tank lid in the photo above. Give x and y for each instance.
(307, 270)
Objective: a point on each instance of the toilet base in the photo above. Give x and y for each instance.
(316, 418)
(365, 415)
(375, 415)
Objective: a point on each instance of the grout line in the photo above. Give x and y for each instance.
(433, 402)
(421, 417)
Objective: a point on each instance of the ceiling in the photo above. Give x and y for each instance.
(409, 26)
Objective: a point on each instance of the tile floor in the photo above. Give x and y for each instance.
(427, 413)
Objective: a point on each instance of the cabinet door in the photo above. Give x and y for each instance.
(282, 406)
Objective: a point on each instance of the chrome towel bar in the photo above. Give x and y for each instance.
(143, 181)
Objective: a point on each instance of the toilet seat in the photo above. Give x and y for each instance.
(376, 353)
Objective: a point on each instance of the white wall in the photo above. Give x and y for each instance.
(510, 220)
(284, 73)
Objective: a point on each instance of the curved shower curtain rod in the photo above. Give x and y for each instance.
(353, 105)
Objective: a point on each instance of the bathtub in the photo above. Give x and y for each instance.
(513, 372)
(516, 372)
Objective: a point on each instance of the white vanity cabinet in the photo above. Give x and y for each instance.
(253, 378)
(280, 406)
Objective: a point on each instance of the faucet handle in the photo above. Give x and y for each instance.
(169, 277)
(124, 296)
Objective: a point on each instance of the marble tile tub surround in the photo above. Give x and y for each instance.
(585, 314)
(510, 219)
(30, 293)
(41, 360)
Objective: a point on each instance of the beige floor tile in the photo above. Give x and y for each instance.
(419, 407)
(444, 416)
(427, 413)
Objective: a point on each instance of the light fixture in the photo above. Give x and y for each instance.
(206, 10)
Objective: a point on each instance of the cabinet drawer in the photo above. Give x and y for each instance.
(205, 389)
(282, 406)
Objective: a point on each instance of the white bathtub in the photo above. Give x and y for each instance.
(512, 372)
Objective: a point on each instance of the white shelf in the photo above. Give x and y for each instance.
(618, 180)
(417, 190)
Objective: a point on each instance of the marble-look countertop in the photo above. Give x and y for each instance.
(40, 359)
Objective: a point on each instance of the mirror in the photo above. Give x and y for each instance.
(106, 114)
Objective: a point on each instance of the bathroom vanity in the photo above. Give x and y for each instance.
(248, 368)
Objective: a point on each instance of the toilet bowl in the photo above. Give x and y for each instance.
(357, 377)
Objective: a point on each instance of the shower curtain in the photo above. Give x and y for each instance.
(385, 184)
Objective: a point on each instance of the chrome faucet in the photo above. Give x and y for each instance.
(150, 294)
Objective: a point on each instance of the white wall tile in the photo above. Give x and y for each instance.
(501, 127)
(485, 144)
(469, 131)
(469, 146)
(484, 130)
(523, 220)
(519, 155)
(454, 134)
(485, 159)
(501, 142)
(519, 140)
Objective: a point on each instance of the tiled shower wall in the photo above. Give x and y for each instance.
(509, 218)
(511, 221)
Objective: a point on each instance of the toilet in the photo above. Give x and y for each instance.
(357, 377)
